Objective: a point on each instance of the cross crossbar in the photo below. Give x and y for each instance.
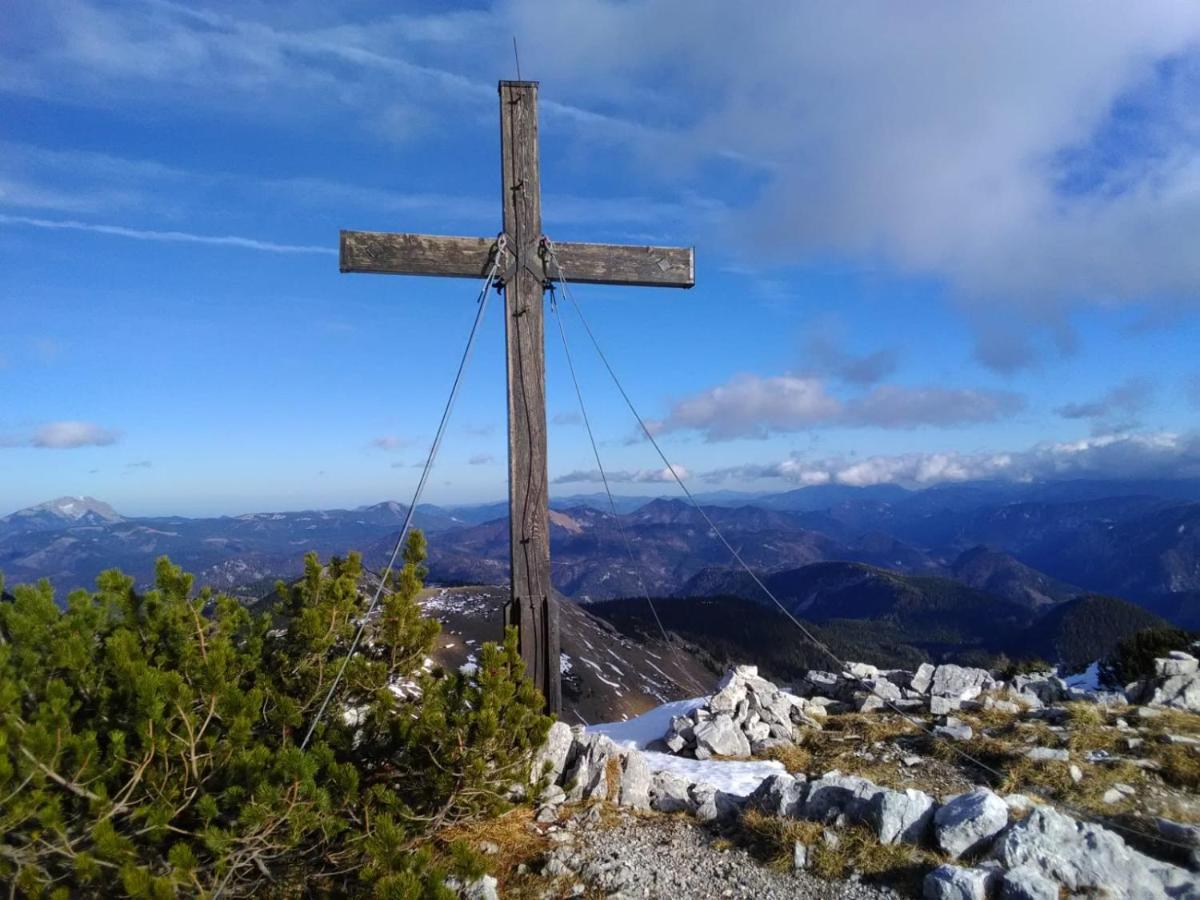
(388, 253)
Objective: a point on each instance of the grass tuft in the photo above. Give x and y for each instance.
(518, 840)
(855, 849)
(1180, 765)
(795, 758)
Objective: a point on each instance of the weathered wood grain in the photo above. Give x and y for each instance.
(623, 264)
(416, 254)
(534, 606)
(387, 253)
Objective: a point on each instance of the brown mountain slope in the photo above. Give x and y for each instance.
(606, 676)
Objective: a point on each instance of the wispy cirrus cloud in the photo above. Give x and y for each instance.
(67, 434)
(756, 407)
(145, 234)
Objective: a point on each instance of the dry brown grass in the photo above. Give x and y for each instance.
(1094, 737)
(612, 778)
(1180, 765)
(870, 727)
(771, 838)
(518, 839)
(980, 719)
(855, 849)
(795, 758)
(1085, 715)
(1170, 721)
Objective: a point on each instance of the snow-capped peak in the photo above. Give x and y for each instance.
(70, 509)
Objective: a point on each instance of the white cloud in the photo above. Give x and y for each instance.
(755, 406)
(65, 435)
(976, 142)
(1145, 455)
(481, 459)
(638, 476)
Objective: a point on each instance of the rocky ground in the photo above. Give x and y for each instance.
(945, 782)
(672, 857)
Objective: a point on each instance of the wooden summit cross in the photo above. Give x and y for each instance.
(526, 270)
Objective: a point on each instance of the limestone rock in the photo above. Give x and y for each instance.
(1179, 692)
(550, 760)
(954, 729)
(720, 737)
(940, 706)
(586, 774)
(1025, 883)
(670, 793)
(923, 678)
(901, 816)
(837, 798)
(948, 882)
(1177, 663)
(712, 804)
(1045, 687)
(960, 682)
(482, 888)
(1047, 754)
(779, 795)
(799, 856)
(634, 789)
(969, 821)
(1082, 857)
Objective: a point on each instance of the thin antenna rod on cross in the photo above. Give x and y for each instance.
(517, 57)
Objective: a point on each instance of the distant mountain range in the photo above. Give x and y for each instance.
(1023, 548)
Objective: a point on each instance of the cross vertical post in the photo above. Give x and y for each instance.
(525, 272)
(533, 608)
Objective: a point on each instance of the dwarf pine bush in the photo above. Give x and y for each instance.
(149, 742)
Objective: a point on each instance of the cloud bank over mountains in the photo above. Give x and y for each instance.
(1151, 455)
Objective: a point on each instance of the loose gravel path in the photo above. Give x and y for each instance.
(670, 857)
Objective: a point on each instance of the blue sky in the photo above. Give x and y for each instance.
(934, 242)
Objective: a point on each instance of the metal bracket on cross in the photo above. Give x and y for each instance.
(520, 258)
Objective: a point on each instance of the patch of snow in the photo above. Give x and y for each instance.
(564, 664)
(640, 732)
(600, 674)
(732, 776)
(1087, 680)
